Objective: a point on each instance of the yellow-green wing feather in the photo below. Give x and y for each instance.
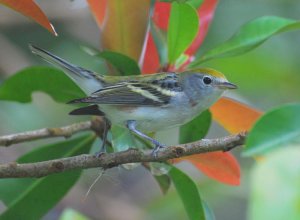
(146, 91)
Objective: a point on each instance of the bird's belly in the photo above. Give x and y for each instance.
(151, 119)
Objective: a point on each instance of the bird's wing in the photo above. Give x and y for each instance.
(132, 93)
(88, 110)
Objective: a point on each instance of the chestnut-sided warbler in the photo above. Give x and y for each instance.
(144, 103)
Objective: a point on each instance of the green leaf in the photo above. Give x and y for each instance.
(182, 30)
(250, 35)
(159, 168)
(276, 128)
(122, 138)
(48, 152)
(209, 214)
(20, 86)
(30, 198)
(124, 64)
(195, 129)
(164, 182)
(194, 3)
(71, 214)
(188, 193)
(181, 60)
(275, 186)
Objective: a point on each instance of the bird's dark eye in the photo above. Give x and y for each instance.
(207, 80)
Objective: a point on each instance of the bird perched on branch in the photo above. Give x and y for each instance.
(144, 103)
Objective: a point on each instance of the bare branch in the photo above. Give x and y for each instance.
(105, 161)
(67, 131)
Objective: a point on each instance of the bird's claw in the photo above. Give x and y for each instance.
(156, 149)
(100, 153)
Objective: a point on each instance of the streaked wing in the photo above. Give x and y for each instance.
(131, 93)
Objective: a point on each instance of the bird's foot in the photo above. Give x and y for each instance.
(100, 152)
(155, 151)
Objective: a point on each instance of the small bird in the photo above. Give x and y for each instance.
(144, 103)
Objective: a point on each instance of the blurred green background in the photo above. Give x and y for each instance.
(267, 77)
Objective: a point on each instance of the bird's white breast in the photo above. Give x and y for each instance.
(151, 119)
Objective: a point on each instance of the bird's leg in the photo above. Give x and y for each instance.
(106, 128)
(131, 125)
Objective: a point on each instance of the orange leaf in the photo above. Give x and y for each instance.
(98, 8)
(234, 116)
(221, 166)
(125, 26)
(30, 9)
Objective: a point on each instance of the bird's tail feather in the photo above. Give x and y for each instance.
(87, 80)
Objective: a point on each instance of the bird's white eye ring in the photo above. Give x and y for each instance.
(207, 80)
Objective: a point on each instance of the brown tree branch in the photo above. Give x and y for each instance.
(67, 131)
(105, 161)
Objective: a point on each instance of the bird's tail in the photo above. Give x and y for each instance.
(87, 80)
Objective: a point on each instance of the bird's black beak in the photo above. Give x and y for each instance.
(227, 85)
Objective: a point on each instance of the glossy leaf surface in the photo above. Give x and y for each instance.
(30, 198)
(161, 18)
(249, 36)
(234, 116)
(55, 83)
(220, 166)
(206, 13)
(124, 64)
(188, 193)
(276, 128)
(195, 129)
(31, 10)
(122, 138)
(182, 29)
(164, 182)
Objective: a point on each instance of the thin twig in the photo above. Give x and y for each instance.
(67, 131)
(105, 161)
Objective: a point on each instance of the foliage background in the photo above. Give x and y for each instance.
(267, 77)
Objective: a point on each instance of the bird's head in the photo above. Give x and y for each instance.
(205, 84)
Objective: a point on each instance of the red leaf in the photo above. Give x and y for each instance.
(160, 17)
(161, 14)
(98, 9)
(151, 59)
(30, 9)
(221, 166)
(206, 14)
(205, 11)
